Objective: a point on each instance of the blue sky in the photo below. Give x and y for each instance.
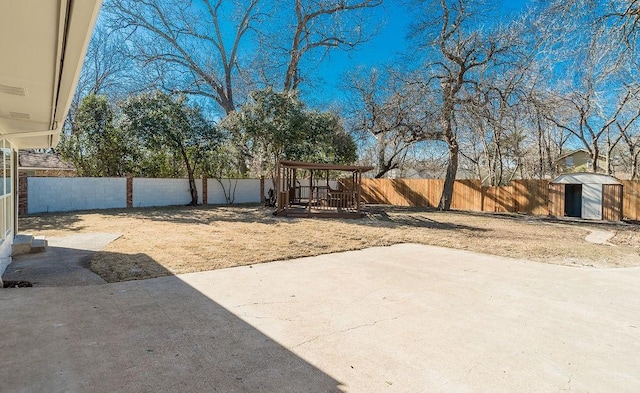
(386, 47)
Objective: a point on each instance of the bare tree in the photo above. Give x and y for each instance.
(190, 42)
(581, 115)
(390, 112)
(590, 101)
(107, 70)
(322, 25)
(452, 70)
(496, 113)
(624, 15)
(629, 132)
(550, 140)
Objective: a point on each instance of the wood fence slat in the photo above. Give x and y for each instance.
(612, 202)
(522, 196)
(631, 200)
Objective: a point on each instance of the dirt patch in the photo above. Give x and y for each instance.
(174, 240)
(629, 237)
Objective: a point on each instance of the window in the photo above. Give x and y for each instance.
(569, 162)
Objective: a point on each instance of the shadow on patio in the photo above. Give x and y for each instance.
(159, 335)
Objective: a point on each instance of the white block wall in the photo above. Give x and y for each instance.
(268, 184)
(61, 194)
(246, 190)
(163, 192)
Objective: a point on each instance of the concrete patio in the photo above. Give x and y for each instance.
(404, 318)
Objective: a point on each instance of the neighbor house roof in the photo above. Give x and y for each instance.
(570, 153)
(43, 161)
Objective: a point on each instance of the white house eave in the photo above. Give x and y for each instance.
(37, 84)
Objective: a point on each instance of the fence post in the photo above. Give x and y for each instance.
(129, 190)
(261, 188)
(205, 190)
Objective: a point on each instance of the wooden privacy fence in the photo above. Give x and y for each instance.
(521, 196)
(631, 200)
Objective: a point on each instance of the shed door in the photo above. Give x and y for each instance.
(573, 200)
(592, 201)
(612, 202)
(556, 200)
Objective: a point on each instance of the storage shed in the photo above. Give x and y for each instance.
(591, 196)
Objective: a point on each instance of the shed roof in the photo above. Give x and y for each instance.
(321, 166)
(585, 178)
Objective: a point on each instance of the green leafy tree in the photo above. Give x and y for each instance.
(220, 164)
(169, 123)
(273, 126)
(96, 146)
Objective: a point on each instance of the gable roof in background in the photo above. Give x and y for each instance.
(572, 152)
(43, 44)
(42, 161)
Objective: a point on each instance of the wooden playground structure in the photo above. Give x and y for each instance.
(306, 189)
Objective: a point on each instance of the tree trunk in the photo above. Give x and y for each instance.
(192, 188)
(382, 165)
(450, 178)
(594, 159)
(446, 120)
(635, 155)
(192, 181)
(541, 171)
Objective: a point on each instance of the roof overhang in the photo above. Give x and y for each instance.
(43, 44)
(321, 166)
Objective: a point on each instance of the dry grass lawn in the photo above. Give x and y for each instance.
(162, 241)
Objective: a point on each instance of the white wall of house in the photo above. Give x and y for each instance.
(8, 172)
(163, 192)
(5, 254)
(61, 194)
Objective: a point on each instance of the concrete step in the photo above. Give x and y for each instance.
(22, 244)
(28, 244)
(38, 245)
